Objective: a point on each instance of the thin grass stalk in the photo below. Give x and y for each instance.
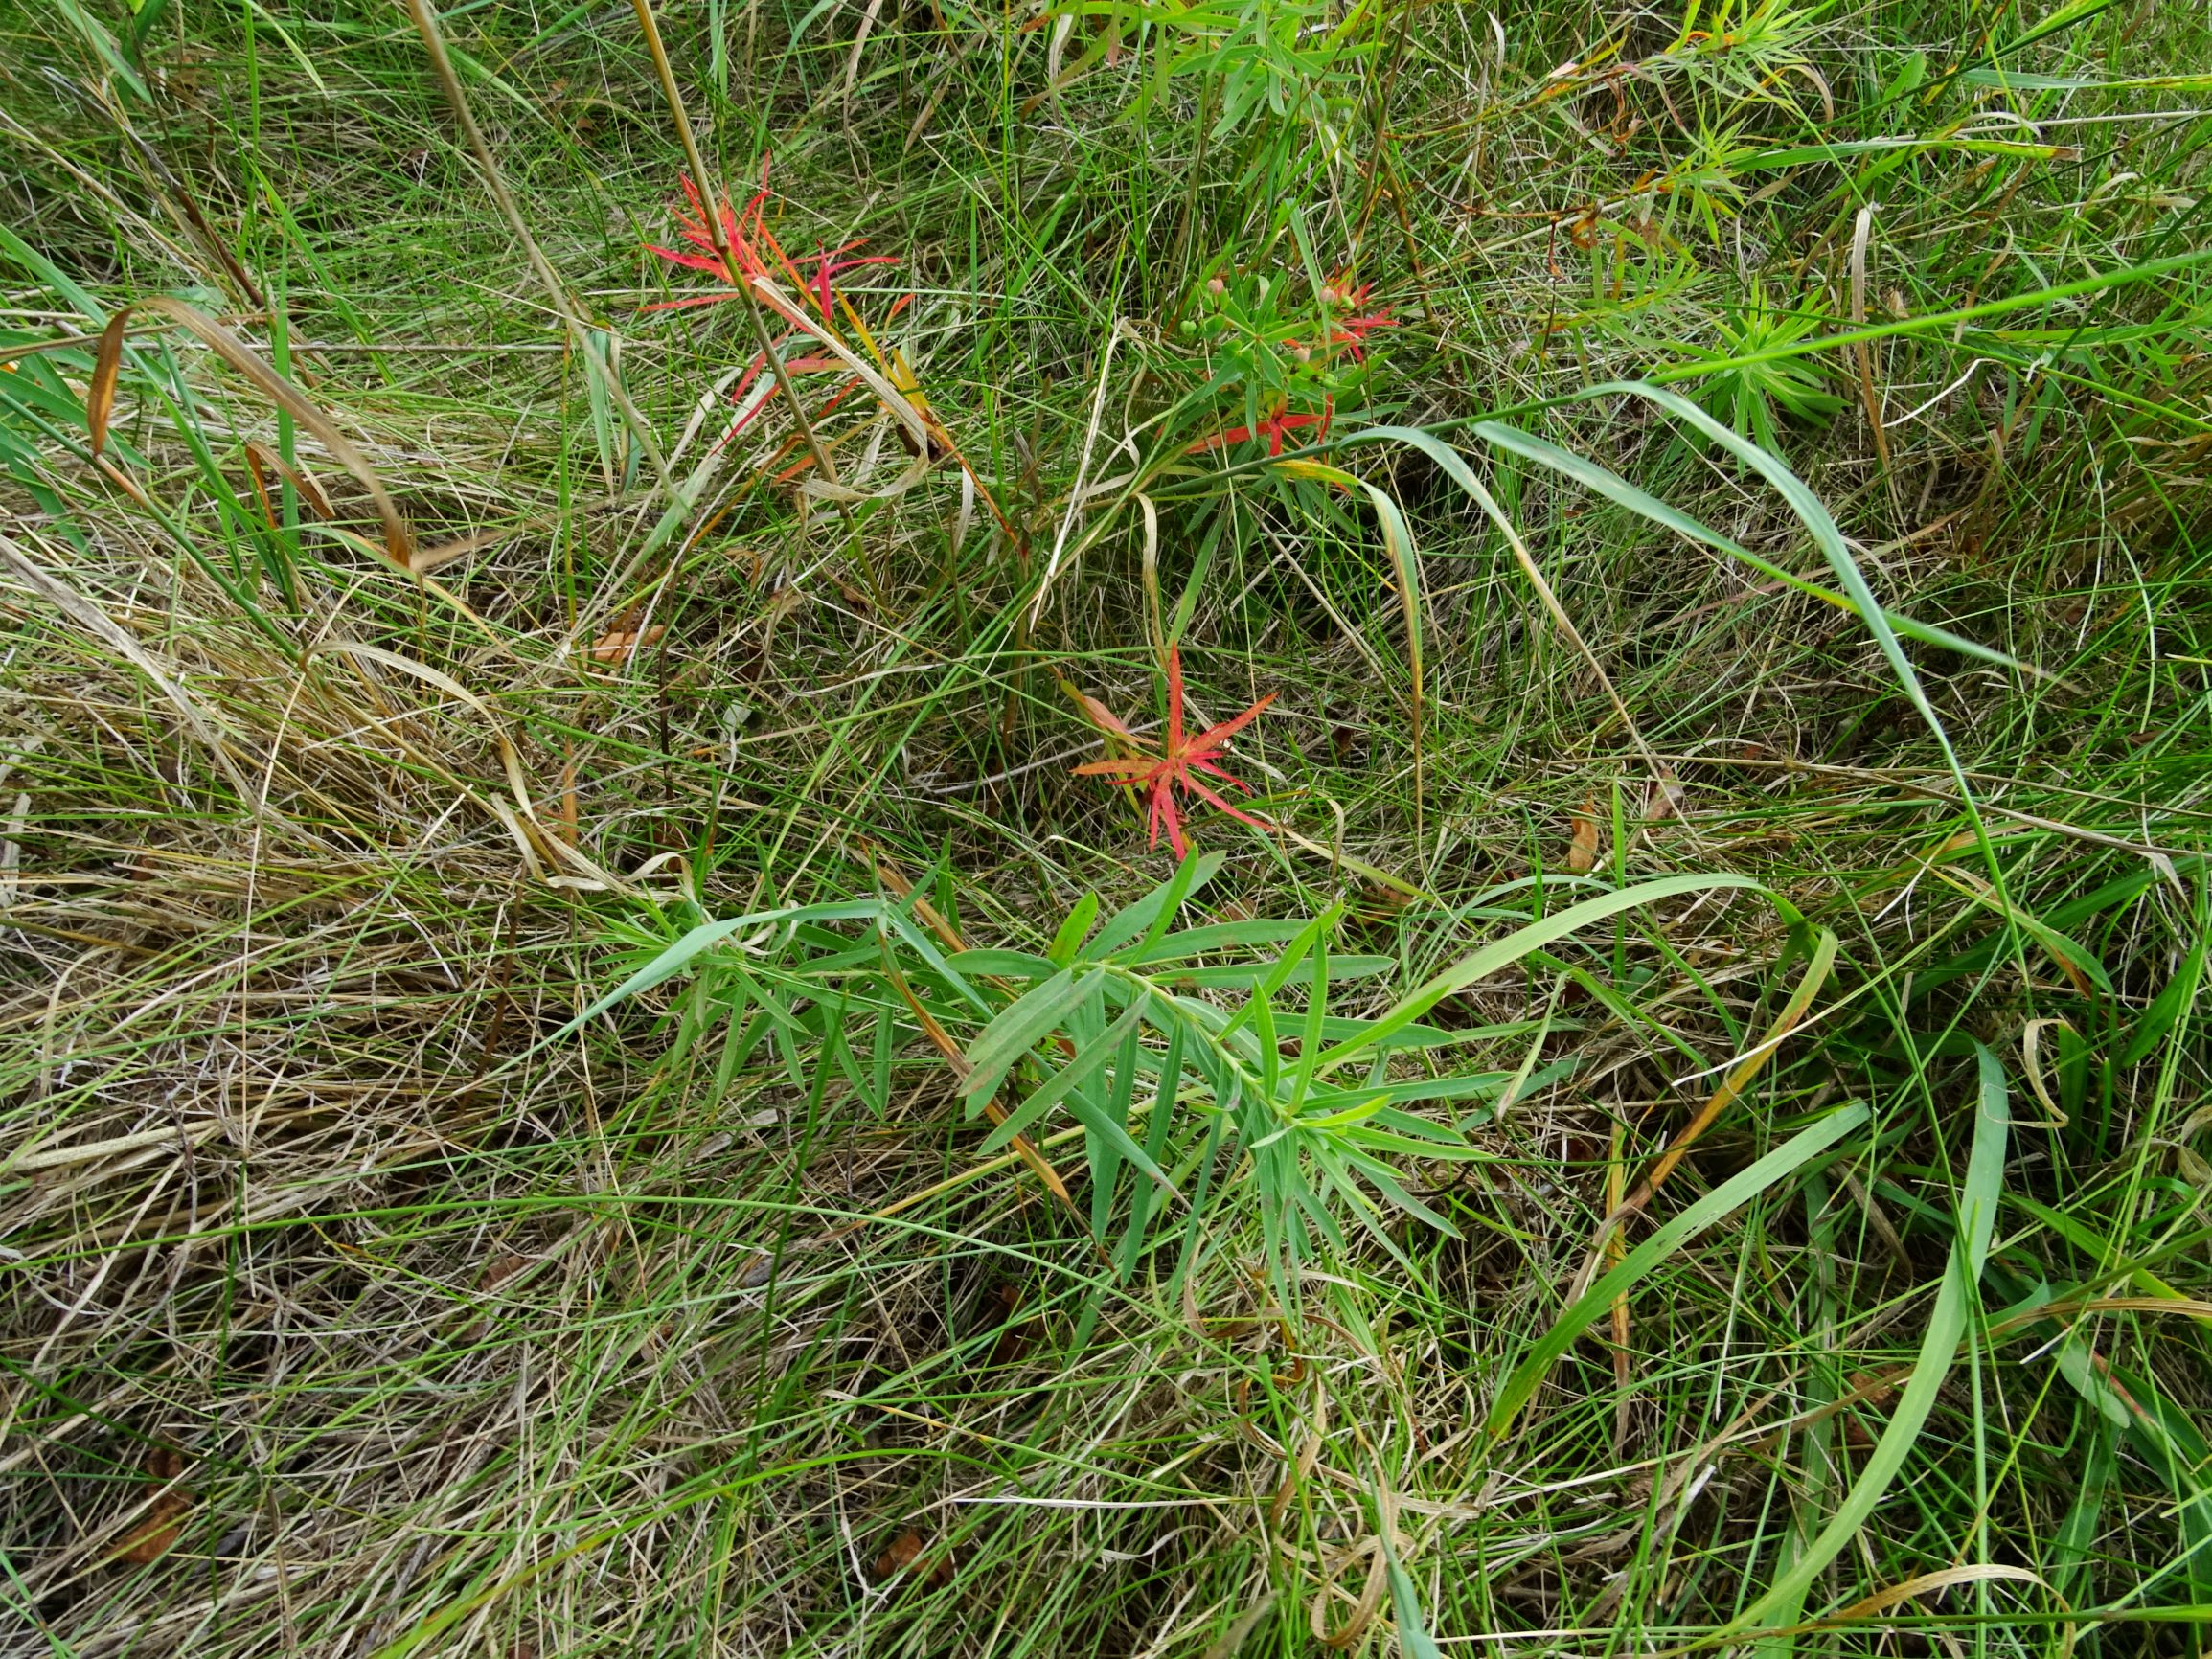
(434, 43)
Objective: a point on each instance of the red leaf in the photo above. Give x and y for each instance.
(1178, 766)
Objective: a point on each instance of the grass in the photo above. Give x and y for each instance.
(426, 1233)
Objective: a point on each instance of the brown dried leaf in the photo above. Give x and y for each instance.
(1663, 798)
(616, 645)
(905, 1552)
(297, 477)
(254, 469)
(1583, 848)
(569, 814)
(999, 1311)
(902, 1554)
(781, 605)
(1109, 723)
(99, 396)
(501, 1269)
(1876, 1391)
(157, 1533)
(399, 537)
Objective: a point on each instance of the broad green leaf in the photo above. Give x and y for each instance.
(1020, 1027)
(2073, 1546)
(1338, 1029)
(1105, 1154)
(1260, 1010)
(695, 943)
(1213, 937)
(1089, 1059)
(1187, 1257)
(896, 919)
(1232, 978)
(1603, 481)
(103, 45)
(1148, 918)
(1116, 1134)
(1277, 974)
(52, 276)
(2159, 1020)
(996, 964)
(1470, 1085)
(1316, 1009)
(1384, 1179)
(1071, 931)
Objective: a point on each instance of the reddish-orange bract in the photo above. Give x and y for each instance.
(1184, 758)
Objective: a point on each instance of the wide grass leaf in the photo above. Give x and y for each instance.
(1533, 937)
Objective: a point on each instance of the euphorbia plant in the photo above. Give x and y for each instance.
(744, 254)
(1161, 774)
(1166, 1038)
(755, 254)
(1258, 336)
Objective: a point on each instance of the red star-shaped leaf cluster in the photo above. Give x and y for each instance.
(1178, 766)
(1352, 331)
(755, 254)
(1275, 428)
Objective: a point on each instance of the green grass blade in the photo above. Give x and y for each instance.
(1603, 481)
(1534, 936)
(1738, 1190)
(1947, 1327)
(1814, 515)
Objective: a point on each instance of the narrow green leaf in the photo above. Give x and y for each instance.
(1414, 1641)
(1155, 1149)
(1813, 514)
(1105, 1154)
